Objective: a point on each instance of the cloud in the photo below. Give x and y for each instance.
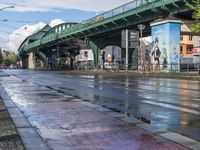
(18, 36)
(52, 5)
(56, 22)
(3, 40)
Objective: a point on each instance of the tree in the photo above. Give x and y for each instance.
(1, 57)
(7, 62)
(10, 60)
(13, 59)
(196, 15)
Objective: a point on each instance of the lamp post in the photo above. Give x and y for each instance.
(7, 7)
(141, 27)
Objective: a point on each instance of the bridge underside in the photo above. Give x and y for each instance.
(109, 33)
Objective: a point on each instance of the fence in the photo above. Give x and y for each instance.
(143, 68)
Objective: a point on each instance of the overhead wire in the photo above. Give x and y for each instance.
(19, 21)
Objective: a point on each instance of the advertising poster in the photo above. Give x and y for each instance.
(166, 46)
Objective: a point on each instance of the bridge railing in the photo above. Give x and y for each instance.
(114, 12)
(119, 10)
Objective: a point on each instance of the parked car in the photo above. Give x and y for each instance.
(12, 66)
(2, 66)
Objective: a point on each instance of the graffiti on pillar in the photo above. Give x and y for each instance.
(166, 45)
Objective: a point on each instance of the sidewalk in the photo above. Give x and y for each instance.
(16, 133)
(9, 138)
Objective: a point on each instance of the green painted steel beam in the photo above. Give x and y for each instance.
(104, 22)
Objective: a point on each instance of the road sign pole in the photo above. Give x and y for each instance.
(126, 50)
(141, 27)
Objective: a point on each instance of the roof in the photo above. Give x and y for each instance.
(35, 36)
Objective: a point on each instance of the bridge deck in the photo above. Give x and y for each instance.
(120, 13)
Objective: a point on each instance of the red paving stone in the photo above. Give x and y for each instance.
(71, 125)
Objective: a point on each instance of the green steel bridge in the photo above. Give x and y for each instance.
(105, 29)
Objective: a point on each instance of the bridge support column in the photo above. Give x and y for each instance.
(166, 49)
(31, 60)
(96, 48)
(23, 60)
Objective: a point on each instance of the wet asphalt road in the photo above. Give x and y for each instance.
(165, 103)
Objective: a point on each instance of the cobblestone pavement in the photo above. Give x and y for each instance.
(9, 139)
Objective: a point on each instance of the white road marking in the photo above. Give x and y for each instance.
(173, 107)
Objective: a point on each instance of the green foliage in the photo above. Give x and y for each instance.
(7, 61)
(196, 15)
(10, 60)
(1, 57)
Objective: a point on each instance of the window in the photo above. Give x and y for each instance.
(181, 37)
(189, 49)
(190, 38)
(181, 49)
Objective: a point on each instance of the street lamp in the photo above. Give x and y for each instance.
(141, 27)
(7, 7)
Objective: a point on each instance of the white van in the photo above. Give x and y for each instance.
(190, 62)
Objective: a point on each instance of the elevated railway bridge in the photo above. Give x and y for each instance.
(102, 30)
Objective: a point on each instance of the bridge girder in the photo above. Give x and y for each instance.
(98, 31)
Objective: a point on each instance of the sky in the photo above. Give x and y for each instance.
(28, 16)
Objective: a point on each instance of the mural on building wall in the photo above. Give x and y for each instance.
(166, 46)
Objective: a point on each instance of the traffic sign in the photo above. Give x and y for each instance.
(133, 39)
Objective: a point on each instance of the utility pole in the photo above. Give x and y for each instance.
(127, 50)
(141, 27)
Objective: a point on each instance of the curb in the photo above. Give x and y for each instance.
(174, 137)
(179, 76)
(28, 134)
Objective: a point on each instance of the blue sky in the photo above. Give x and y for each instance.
(34, 14)
(16, 20)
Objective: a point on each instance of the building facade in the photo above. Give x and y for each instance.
(189, 42)
(186, 45)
